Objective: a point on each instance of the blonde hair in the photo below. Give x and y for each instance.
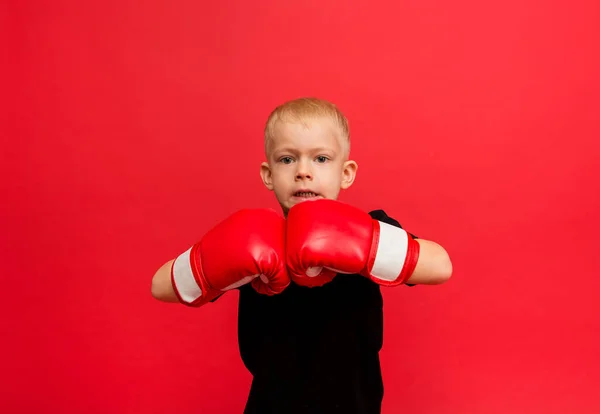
(299, 110)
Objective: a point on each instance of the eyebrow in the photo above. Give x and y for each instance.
(294, 150)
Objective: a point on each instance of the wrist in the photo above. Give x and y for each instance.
(393, 255)
(188, 284)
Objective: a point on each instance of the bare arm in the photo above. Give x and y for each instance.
(433, 267)
(162, 288)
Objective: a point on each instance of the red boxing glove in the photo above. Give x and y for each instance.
(247, 247)
(342, 239)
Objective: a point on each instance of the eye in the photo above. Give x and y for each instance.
(286, 160)
(322, 159)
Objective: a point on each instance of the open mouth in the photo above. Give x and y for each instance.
(305, 194)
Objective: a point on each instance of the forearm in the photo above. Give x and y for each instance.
(162, 287)
(433, 266)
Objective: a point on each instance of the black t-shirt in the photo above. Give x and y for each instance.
(314, 350)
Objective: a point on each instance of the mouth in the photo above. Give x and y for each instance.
(305, 194)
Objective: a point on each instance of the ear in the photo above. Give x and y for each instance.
(348, 174)
(267, 177)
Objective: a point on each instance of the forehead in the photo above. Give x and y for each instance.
(306, 134)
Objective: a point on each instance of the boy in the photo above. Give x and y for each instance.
(310, 320)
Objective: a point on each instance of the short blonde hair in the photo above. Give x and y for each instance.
(298, 110)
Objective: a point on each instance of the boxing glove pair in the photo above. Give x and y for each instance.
(319, 239)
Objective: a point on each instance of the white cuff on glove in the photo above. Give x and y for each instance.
(395, 257)
(186, 287)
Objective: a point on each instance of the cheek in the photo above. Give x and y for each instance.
(332, 180)
(281, 179)
(334, 173)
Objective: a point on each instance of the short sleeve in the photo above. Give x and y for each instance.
(382, 216)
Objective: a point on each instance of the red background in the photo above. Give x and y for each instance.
(133, 127)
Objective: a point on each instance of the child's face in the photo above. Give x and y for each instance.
(307, 162)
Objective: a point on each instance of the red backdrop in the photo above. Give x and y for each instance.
(133, 127)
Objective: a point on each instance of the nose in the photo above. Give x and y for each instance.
(303, 171)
